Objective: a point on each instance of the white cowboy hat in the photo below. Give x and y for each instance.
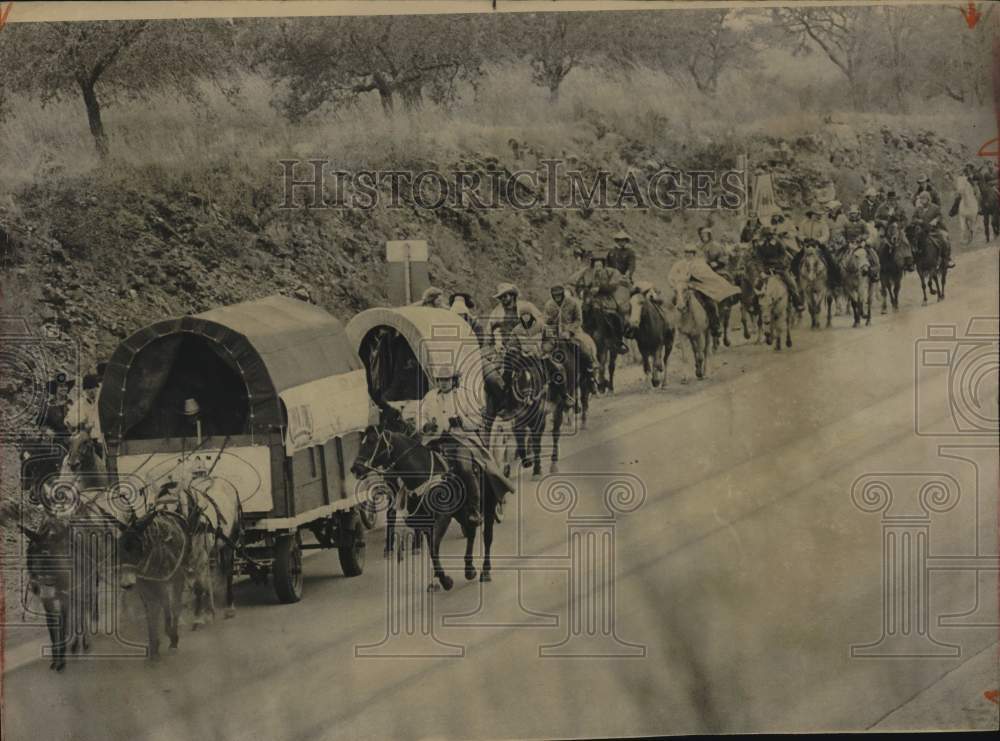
(191, 407)
(690, 247)
(459, 306)
(622, 235)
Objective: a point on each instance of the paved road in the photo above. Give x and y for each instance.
(738, 585)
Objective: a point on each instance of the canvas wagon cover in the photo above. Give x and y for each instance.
(284, 350)
(438, 337)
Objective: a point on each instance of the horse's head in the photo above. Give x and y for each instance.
(81, 451)
(135, 548)
(46, 543)
(375, 451)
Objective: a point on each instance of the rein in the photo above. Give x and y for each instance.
(158, 547)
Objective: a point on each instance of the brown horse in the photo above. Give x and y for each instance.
(65, 557)
(750, 313)
(988, 189)
(894, 258)
(436, 495)
(653, 334)
(569, 375)
(154, 551)
(932, 267)
(603, 326)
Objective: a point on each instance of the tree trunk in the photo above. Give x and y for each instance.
(94, 117)
(385, 96)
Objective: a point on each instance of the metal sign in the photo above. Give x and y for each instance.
(408, 275)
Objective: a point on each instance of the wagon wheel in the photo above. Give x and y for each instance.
(287, 568)
(351, 548)
(368, 511)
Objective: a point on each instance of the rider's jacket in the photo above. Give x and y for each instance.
(929, 189)
(564, 317)
(438, 410)
(929, 216)
(622, 259)
(889, 212)
(855, 230)
(869, 207)
(818, 231)
(507, 320)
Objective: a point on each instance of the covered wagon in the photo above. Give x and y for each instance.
(270, 395)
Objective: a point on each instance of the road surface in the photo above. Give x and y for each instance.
(729, 597)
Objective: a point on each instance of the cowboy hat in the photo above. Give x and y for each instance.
(430, 293)
(690, 247)
(462, 295)
(505, 288)
(622, 236)
(191, 407)
(459, 306)
(833, 205)
(922, 179)
(871, 192)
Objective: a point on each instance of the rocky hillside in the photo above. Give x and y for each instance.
(102, 255)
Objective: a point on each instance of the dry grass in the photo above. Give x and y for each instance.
(182, 140)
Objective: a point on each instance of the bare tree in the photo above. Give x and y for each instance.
(108, 61)
(334, 59)
(691, 45)
(557, 43)
(843, 34)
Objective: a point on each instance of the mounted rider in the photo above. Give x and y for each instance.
(870, 205)
(716, 254)
(564, 321)
(773, 257)
(813, 229)
(924, 186)
(621, 257)
(836, 220)
(890, 211)
(512, 323)
(443, 426)
(857, 234)
(928, 214)
(598, 283)
(693, 272)
(462, 304)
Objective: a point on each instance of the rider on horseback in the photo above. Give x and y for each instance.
(857, 234)
(598, 283)
(773, 256)
(928, 215)
(441, 425)
(512, 319)
(564, 321)
(622, 257)
(693, 272)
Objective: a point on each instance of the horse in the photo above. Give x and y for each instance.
(858, 284)
(568, 375)
(749, 305)
(692, 322)
(65, 554)
(215, 526)
(528, 389)
(154, 552)
(775, 306)
(434, 497)
(814, 282)
(41, 459)
(653, 334)
(600, 324)
(894, 257)
(932, 267)
(989, 203)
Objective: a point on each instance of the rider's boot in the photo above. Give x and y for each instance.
(793, 292)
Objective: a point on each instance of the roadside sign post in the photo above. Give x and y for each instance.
(408, 271)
